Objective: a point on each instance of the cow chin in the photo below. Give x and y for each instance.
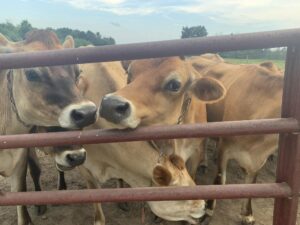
(130, 122)
(179, 210)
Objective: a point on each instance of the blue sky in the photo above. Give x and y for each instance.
(150, 20)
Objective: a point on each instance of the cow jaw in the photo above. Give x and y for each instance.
(186, 210)
(171, 171)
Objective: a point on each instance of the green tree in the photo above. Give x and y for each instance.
(23, 28)
(10, 31)
(17, 33)
(196, 31)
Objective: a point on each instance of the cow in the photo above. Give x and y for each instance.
(137, 163)
(253, 92)
(42, 96)
(170, 92)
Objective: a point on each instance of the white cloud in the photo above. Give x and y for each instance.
(222, 11)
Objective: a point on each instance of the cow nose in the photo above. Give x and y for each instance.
(75, 159)
(114, 109)
(84, 116)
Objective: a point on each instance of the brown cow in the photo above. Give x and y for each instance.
(253, 92)
(46, 96)
(137, 163)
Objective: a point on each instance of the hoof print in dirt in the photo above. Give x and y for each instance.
(205, 220)
(248, 220)
(124, 206)
(40, 210)
(157, 220)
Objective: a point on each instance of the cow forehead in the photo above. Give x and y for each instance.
(158, 69)
(42, 39)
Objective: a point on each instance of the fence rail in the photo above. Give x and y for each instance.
(215, 129)
(286, 190)
(191, 46)
(229, 191)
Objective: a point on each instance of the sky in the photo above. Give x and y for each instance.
(129, 21)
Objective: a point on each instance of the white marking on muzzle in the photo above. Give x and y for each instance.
(61, 157)
(65, 120)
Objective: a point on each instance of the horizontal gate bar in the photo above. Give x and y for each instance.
(214, 129)
(230, 191)
(190, 46)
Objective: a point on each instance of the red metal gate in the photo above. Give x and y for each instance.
(287, 186)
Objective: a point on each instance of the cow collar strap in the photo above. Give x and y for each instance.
(184, 109)
(12, 99)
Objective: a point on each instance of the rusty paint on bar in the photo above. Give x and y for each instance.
(231, 191)
(228, 128)
(191, 46)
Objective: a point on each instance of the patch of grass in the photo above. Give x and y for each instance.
(279, 63)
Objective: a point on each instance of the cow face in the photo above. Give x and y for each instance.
(156, 93)
(171, 171)
(66, 157)
(47, 96)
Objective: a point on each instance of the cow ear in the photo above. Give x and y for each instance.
(3, 40)
(69, 42)
(208, 90)
(161, 176)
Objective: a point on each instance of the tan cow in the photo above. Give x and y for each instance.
(253, 92)
(137, 163)
(46, 96)
(164, 91)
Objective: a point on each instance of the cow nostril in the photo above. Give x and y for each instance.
(70, 158)
(77, 115)
(122, 108)
(75, 159)
(84, 116)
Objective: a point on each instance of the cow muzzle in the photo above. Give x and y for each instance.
(119, 111)
(67, 160)
(78, 115)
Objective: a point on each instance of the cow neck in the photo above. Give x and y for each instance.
(10, 83)
(184, 110)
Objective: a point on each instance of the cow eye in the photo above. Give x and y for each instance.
(173, 85)
(33, 76)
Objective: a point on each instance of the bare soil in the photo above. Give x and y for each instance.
(227, 211)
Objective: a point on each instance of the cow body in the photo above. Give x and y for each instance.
(253, 92)
(137, 163)
(46, 96)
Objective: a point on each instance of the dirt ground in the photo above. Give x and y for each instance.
(227, 211)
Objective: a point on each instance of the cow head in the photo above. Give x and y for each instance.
(66, 157)
(46, 96)
(156, 93)
(171, 171)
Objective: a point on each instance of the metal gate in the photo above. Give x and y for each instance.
(287, 186)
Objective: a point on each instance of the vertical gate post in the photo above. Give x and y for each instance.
(288, 168)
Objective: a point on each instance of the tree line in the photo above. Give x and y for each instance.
(82, 38)
(200, 31)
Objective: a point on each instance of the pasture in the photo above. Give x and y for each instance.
(277, 62)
